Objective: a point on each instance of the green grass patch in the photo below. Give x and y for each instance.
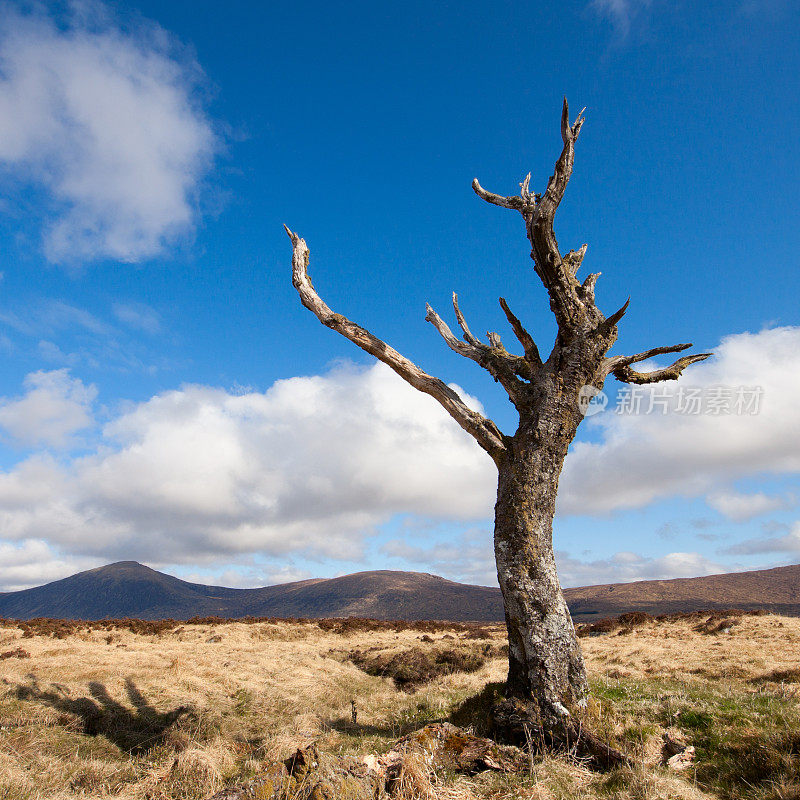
(747, 744)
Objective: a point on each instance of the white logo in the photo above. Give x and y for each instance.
(591, 400)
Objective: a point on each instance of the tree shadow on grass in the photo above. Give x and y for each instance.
(358, 729)
(394, 730)
(134, 730)
(474, 713)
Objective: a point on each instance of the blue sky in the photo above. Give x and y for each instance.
(166, 398)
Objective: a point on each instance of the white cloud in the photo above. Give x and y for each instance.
(50, 316)
(54, 407)
(310, 466)
(314, 465)
(106, 121)
(468, 557)
(643, 457)
(789, 543)
(245, 578)
(740, 507)
(68, 335)
(52, 353)
(624, 567)
(34, 562)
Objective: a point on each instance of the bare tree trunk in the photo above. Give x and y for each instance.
(545, 662)
(546, 691)
(546, 688)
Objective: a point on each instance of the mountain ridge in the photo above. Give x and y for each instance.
(131, 589)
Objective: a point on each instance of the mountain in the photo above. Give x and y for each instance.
(775, 589)
(130, 589)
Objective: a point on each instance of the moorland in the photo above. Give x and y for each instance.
(161, 710)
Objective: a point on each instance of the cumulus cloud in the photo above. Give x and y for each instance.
(54, 407)
(314, 465)
(740, 507)
(646, 457)
(33, 562)
(311, 466)
(106, 121)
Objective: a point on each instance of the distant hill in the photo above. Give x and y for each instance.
(775, 589)
(130, 589)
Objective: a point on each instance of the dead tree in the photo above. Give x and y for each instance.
(546, 686)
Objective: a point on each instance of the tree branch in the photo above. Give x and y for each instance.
(557, 278)
(463, 323)
(574, 258)
(494, 358)
(570, 306)
(484, 431)
(468, 349)
(623, 372)
(614, 362)
(587, 287)
(517, 203)
(609, 323)
(525, 339)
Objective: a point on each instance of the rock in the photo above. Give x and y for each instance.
(681, 760)
(409, 769)
(450, 748)
(675, 752)
(674, 743)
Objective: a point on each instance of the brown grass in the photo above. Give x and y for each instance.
(17, 652)
(410, 667)
(179, 710)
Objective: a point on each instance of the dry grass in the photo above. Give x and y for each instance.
(410, 667)
(182, 711)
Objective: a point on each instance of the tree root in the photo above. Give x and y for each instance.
(518, 722)
(410, 769)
